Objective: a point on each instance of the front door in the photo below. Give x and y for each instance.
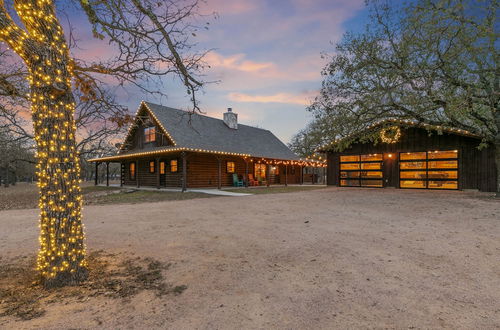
(390, 170)
(162, 169)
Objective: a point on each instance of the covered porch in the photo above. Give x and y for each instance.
(183, 169)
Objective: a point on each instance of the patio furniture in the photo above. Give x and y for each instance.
(236, 181)
(252, 181)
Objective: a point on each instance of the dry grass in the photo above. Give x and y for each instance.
(20, 196)
(130, 196)
(114, 276)
(25, 196)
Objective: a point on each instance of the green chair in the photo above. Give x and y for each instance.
(236, 181)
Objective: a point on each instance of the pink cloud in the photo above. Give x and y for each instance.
(237, 62)
(237, 72)
(301, 99)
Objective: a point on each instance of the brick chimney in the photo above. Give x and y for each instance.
(231, 119)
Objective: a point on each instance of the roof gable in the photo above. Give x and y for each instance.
(140, 120)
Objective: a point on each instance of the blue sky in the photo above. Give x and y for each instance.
(267, 57)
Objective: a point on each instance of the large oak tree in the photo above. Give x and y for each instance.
(148, 38)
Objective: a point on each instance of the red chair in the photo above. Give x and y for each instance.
(252, 181)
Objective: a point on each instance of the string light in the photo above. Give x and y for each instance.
(453, 130)
(164, 151)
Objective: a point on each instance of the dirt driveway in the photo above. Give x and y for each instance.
(323, 259)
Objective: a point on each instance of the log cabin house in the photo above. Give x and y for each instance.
(405, 154)
(167, 147)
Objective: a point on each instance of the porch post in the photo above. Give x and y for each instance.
(268, 174)
(122, 173)
(219, 173)
(107, 174)
(286, 175)
(137, 173)
(301, 175)
(246, 173)
(96, 182)
(157, 168)
(184, 171)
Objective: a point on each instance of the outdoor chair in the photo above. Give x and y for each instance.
(236, 181)
(252, 181)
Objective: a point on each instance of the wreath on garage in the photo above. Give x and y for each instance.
(390, 134)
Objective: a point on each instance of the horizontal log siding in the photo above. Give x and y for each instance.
(476, 167)
(145, 178)
(126, 180)
(332, 171)
(202, 170)
(172, 179)
(239, 163)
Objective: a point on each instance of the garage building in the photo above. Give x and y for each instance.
(405, 154)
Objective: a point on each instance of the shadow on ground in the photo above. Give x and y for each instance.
(111, 275)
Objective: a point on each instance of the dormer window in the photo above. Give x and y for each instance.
(149, 134)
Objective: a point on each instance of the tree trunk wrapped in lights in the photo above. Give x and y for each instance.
(61, 259)
(62, 252)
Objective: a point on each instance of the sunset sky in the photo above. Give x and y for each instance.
(267, 56)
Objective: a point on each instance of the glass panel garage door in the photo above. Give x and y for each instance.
(361, 170)
(431, 170)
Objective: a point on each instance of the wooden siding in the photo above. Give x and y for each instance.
(293, 175)
(148, 179)
(171, 179)
(126, 174)
(202, 171)
(332, 171)
(476, 167)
